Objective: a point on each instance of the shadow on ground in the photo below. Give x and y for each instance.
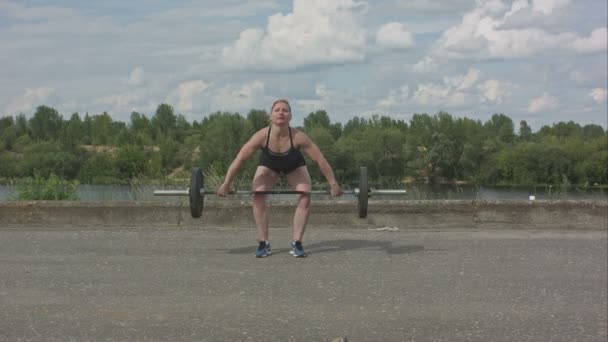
(332, 246)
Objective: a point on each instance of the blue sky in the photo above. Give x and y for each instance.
(542, 61)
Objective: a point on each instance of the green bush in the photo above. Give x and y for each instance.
(51, 188)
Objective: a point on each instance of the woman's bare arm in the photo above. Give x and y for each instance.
(315, 154)
(248, 149)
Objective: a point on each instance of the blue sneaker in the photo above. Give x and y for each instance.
(297, 250)
(263, 249)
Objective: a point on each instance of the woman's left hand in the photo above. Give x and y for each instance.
(336, 190)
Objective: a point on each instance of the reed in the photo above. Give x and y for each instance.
(51, 188)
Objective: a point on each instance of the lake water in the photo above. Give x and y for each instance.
(420, 192)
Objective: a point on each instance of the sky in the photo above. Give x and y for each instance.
(542, 61)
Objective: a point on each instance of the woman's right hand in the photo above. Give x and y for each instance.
(223, 190)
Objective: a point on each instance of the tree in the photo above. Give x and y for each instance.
(8, 137)
(381, 150)
(501, 127)
(9, 166)
(72, 132)
(164, 120)
(525, 132)
(317, 119)
(45, 124)
(6, 122)
(21, 126)
(46, 158)
(101, 129)
(130, 162)
(7, 133)
(99, 168)
(258, 119)
(140, 129)
(353, 125)
(594, 168)
(326, 143)
(139, 122)
(418, 144)
(182, 128)
(470, 133)
(21, 123)
(169, 154)
(562, 130)
(320, 118)
(87, 129)
(425, 147)
(567, 129)
(223, 134)
(593, 132)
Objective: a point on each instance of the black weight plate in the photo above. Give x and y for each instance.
(196, 199)
(363, 192)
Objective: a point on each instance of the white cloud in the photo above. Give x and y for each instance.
(324, 97)
(454, 92)
(493, 91)
(394, 36)
(426, 65)
(30, 98)
(395, 97)
(186, 93)
(546, 14)
(213, 9)
(19, 11)
(597, 41)
(517, 6)
(118, 101)
(489, 31)
(599, 95)
(578, 76)
(547, 7)
(463, 82)
(70, 106)
(439, 95)
(136, 77)
(239, 98)
(322, 91)
(543, 103)
(52, 20)
(433, 6)
(316, 32)
(332, 55)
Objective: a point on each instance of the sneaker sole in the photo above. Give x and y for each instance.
(263, 256)
(297, 256)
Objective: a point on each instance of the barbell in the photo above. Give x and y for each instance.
(196, 192)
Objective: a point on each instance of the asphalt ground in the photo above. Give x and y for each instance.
(206, 285)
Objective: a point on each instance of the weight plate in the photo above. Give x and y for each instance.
(363, 192)
(196, 199)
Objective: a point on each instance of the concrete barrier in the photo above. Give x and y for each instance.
(431, 214)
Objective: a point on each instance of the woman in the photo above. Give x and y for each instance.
(280, 145)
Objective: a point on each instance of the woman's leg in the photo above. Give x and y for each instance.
(263, 180)
(299, 180)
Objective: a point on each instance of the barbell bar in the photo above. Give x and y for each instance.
(197, 198)
(186, 192)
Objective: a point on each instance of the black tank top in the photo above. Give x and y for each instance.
(281, 162)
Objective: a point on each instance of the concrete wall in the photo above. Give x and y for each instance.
(587, 215)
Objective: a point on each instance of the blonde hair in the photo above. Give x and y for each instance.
(280, 101)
